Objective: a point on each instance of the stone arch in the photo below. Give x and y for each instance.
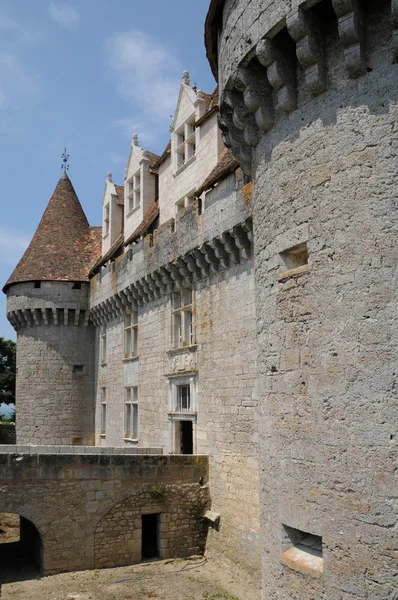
(181, 528)
(28, 552)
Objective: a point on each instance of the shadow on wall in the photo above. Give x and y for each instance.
(21, 549)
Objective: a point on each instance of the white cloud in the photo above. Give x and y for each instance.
(64, 14)
(148, 74)
(12, 246)
(15, 82)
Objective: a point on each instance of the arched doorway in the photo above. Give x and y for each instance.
(21, 548)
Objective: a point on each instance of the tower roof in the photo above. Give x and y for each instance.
(64, 246)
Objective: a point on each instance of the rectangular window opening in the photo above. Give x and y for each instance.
(186, 436)
(103, 411)
(103, 343)
(295, 257)
(78, 369)
(182, 318)
(183, 398)
(302, 551)
(131, 412)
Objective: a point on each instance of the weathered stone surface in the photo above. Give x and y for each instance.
(326, 176)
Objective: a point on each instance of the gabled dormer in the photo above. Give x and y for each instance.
(112, 213)
(191, 106)
(140, 189)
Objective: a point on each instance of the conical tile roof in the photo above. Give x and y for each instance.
(64, 246)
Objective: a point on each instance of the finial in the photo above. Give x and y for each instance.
(135, 139)
(65, 158)
(185, 78)
(109, 176)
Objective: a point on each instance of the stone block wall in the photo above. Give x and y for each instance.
(325, 221)
(87, 507)
(221, 363)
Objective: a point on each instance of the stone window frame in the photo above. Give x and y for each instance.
(130, 334)
(131, 413)
(184, 202)
(185, 142)
(103, 343)
(107, 214)
(182, 318)
(103, 411)
(134, 184)
(175, 416)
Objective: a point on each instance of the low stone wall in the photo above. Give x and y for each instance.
(7, 434)
(88, 507)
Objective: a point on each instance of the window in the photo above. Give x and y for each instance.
(103, 344)
(302, 551)
(131, 413)
(131, 334)
(182, 326)
(295, 257)
(185, 142)
(106, 219)
(103, 411)
(184, 202)
(134, 191)
(78, 369)
(183, 398)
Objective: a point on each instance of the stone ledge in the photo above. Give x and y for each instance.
(303, 560)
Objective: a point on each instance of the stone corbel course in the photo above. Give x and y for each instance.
(230, 248)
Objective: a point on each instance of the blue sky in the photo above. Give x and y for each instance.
(85, 75)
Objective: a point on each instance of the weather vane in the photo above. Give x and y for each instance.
(65, 158)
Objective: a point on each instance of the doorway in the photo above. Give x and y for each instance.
(21, 550)
(150, 536)
(186, 437)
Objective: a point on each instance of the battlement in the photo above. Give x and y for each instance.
(194, 246)
(36, 303)
(270, 65)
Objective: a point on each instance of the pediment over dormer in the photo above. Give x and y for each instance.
(112, 213)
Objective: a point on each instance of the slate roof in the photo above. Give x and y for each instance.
(226, 165)
(64, 246)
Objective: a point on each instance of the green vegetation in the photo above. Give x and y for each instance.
(8, 369)
(157, 492)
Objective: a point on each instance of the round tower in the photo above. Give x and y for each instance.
(48, 305)
(308, 102)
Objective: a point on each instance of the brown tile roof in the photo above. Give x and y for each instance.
(120, 194)
(152, 157)
(166, 153)
(226, 165)
(148, 219)
(64, 246)
(103, 259)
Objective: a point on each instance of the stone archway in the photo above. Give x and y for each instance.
(21, 556)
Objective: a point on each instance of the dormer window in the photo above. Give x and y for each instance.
(134, 192)
(106, 219)
(185, 142)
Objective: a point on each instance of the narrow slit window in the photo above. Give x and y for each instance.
(103, 343)
(103, 411)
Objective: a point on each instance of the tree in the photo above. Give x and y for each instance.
(8, 367)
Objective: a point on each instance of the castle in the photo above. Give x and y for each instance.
(214, 367)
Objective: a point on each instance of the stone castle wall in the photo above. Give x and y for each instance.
(87, 507)
(55, 363)
(222, 361)
(323, 156)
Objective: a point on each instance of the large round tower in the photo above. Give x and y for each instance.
(48, 305)
(308, 100)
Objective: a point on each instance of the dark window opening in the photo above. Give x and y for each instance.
(186, 437)
(21, 550)
(78, 369)
(77, 286)
(302, 551)
(150, 536)
(37, 284)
